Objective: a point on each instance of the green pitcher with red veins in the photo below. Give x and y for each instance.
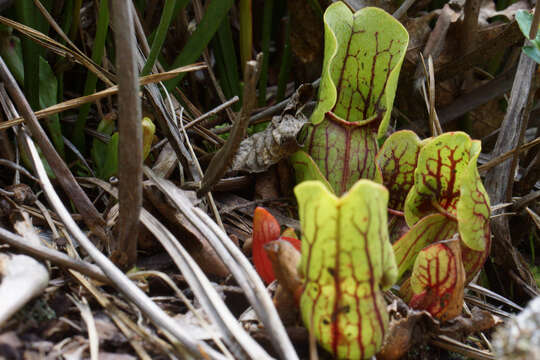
(346, 262)
(447, 210)
(362, 59)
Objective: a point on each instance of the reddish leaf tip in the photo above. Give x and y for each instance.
(265, 229)
(294, 242)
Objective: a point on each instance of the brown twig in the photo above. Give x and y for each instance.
(73, 103)
(497, 179)
(470, 25)
(532, 172)
(520, 203)
(221, 161)
(402, 10)
(91, 216)
(534, 26)
(453, 345)
(60, 49)
(56, 257)
(525, 121)
(130, 130)
(480, 95)
(214, 111)
(507, 155)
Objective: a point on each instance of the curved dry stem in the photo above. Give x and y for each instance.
(127, 287)
(238, 264)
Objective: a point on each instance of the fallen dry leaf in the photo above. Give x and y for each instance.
(197, 245)
(261, 150)
(488, 11)
(407, 327)
(464, 325)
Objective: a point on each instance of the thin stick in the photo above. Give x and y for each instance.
(507, 155)
(402, 10)
(54, 256)
(73, 103)
(60, 49)
(525, 121)
(214, 111)
(122, 283)
(434, 118)
(64, 176)
(221, 161)
(534, 26)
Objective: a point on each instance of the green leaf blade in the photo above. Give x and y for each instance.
(215, 13)
(110, 163)
(98, 50)
(99, 148)
(533, 52)
(525, 19)
(159, 39)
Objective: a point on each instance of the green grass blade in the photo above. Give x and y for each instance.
(40, 83)
(316, 6)
(48, 96)
(221, 68)
(76, 19)
(91, 79)
(246, 32)
(266, 35)
(161, 34)
(26, 12)
(215, 13)
(285, 69)
(67, 18)
(230, 61)
(179, 6)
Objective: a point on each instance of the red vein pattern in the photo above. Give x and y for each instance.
(437, 280)
(397, 161)
(344, 153)
(357, 91)
(347, 259)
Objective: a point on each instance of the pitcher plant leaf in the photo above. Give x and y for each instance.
(397, 160)
(346, 260)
